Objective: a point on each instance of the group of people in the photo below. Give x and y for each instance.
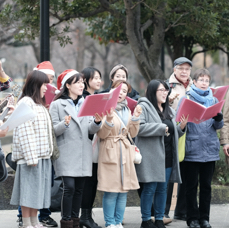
(58, 137)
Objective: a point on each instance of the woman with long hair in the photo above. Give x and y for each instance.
(92, 81)
(75, 162)
(116, 170)
(158, 142)
(32, 149)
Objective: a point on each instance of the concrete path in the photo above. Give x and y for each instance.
(132, 218)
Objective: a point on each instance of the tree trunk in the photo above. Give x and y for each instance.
(147, 59)
(80, 49)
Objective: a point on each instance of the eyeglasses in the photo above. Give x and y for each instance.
(202, 81)
(183, 69)
(163, 90)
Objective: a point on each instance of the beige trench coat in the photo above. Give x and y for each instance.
(109, 163)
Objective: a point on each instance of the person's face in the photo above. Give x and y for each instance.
(202, 82)
(76, 89)
(123, 93)
(161, 94)
(51, 77)
(182, 72)
(43, 90)
(95, 82)
(119, 75)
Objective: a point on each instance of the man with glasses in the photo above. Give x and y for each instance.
(179, 82)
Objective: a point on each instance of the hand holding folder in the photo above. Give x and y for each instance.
(197, 112)
(99, 103)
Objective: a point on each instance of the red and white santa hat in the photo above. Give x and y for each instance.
(64, 76)
(45, 67)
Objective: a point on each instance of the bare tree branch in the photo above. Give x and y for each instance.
(175, 23)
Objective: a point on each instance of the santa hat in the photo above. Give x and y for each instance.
(45, 67)
(64, 76)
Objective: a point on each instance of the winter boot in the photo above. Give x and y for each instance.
(76, 222)
(66, 223)
(87, 220)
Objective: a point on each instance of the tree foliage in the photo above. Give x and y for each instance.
(146, 25)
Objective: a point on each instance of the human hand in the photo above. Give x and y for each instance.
(12, 108)
(173, 96)
(3, 132)
(67, 120)
(110, 115)
(218, 117)
(226, 149)
(137, 111)
(167, 131)
(183, 121)
(98, 118)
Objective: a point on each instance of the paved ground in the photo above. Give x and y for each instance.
(219, 218)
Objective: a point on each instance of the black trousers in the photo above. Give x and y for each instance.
(180, 209)
(198, 173)
(72, 197)
(90, 188)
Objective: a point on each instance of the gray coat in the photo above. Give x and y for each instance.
(74, 145)
(150, 141)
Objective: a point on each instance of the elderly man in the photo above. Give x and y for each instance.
(179, 82)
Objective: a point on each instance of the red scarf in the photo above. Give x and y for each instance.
(184, 84)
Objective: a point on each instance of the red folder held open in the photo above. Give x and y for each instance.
(131, 104)
(220, 92)
(99, 103)
(50, 94)
(197, 112)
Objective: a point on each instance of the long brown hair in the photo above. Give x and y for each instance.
(32, 87)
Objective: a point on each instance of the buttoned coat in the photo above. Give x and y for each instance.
(150, 141)
(74, 145)
(112, 145)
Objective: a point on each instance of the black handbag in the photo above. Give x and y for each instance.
(3, 170)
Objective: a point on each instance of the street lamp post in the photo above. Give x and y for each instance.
(44, 30)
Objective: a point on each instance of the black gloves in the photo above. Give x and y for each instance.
(219, 117)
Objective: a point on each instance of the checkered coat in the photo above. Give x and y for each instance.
(30, 139)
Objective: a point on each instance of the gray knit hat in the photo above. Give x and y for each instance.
(117, 67)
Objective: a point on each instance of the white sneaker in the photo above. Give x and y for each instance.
(111, 226)
(119, 225)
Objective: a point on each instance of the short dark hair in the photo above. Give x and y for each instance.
(200, 73)
(34, 81)
(72, 80)
(152, 97)
(89, 73)
(119, 82)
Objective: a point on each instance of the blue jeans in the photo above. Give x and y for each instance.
(114, 205)
(44, 213)
(156, 191)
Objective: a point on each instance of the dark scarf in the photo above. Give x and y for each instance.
(184, 84)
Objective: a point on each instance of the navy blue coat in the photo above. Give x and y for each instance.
(202, 143)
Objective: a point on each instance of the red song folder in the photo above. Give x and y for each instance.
(99, 103)
(50, 94)
(131, 104)
(197, 112)
(220, 92)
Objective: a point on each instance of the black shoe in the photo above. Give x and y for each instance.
(20, 222)
(159, 224)
(49, 222)
(166, 216)
(204, 224)
(194, 224)
(180, 217)
(87, 220)
(148, 224)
